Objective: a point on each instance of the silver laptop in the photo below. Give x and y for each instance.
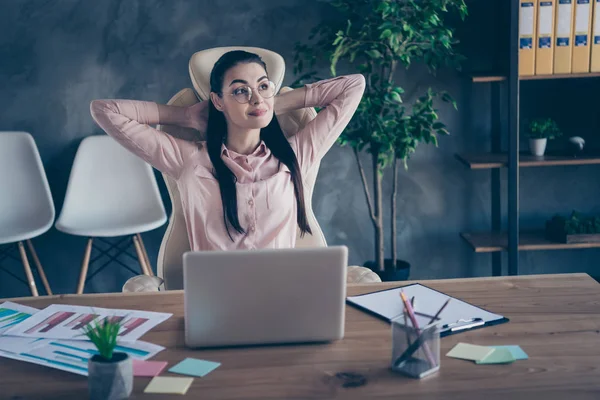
(249, 297)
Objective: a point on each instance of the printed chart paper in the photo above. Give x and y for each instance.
(72, 355)
(12, 314)
(60, 321)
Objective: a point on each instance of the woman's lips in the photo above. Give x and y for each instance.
(258, 113)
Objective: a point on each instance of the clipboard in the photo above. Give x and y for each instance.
(458, 316)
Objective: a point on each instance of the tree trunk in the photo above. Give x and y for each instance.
(394, 193)
(379, 244)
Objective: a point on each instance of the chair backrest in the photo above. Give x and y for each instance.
(111, 192)
(26, 206)
(176, 242)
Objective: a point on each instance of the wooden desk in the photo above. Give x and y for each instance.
(554, 318)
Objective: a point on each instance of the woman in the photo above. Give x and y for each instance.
(241, 182)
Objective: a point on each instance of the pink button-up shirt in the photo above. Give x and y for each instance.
(265, 191)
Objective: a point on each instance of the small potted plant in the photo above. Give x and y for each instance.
(540, 130)
(110, 373)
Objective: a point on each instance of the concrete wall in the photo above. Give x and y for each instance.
(58, 56)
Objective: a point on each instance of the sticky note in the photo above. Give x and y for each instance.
(194, 367)
(168, 384)
(471, 352)
(148, 368)
(516, 351)
(498, 356)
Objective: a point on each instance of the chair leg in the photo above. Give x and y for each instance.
(27, 269)
(84, 266)
(145, 255)
(38, 265)
(140, 254)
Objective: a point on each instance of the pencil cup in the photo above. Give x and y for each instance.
(415, 352)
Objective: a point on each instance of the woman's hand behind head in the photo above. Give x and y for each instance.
(197, 117)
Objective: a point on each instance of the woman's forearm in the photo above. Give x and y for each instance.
(173, 115)
(289, 101)
(178, 116)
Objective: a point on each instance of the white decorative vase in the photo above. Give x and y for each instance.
(537, 146)
(110, 380)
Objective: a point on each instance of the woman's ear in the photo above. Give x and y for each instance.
(217, 101)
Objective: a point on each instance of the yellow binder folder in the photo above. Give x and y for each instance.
(544, 52)
(565, 13)
(595, 64)
(581, 45)
(527, 23)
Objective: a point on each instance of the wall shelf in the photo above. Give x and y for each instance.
(490, 242)
(500, 160)
(483, 78)
(488, 78)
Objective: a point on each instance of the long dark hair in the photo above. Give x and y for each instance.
(272, 135)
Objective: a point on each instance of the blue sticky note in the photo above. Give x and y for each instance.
(516, 351)
(194, 367)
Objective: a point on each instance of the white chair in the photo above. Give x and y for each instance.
(111, 193)
(26, 206)
(175, 242)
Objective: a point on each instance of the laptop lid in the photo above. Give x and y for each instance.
(264, 296)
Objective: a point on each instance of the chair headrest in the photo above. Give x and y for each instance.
(202, 62)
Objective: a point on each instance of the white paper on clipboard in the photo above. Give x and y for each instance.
(456, 316)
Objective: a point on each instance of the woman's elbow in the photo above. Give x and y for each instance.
(357, 84)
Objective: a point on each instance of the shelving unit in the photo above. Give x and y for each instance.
(505, 91)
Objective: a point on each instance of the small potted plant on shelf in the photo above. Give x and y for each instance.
(110, 373)
(540, 130)
(577, 228)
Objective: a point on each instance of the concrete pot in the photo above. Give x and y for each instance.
(537, 146)
(110, 380)
(399, 272)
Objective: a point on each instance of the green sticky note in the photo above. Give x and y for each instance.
(471, 352)
(194, 367)
(498, 356)
(516, 351)
(168, 384)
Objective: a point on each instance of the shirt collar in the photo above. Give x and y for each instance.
(261, 150)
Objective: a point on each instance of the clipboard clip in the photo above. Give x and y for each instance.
(462, 324)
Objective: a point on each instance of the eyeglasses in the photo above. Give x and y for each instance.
(243, 94)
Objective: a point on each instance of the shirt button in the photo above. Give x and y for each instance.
(252, 228)
(250, 202)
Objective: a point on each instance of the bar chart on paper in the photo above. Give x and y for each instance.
(67, 322)
(72, 355)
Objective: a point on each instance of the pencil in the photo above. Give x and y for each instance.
(408, 308)
(435, 317)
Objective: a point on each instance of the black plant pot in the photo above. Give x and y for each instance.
(400, 273)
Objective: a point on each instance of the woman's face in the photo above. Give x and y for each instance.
(239, 108)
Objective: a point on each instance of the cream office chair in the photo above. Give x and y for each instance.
(175, 241)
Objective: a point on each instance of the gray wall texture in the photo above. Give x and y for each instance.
(57, 56)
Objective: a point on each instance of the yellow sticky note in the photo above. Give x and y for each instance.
(470, 352)
(168, 384)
